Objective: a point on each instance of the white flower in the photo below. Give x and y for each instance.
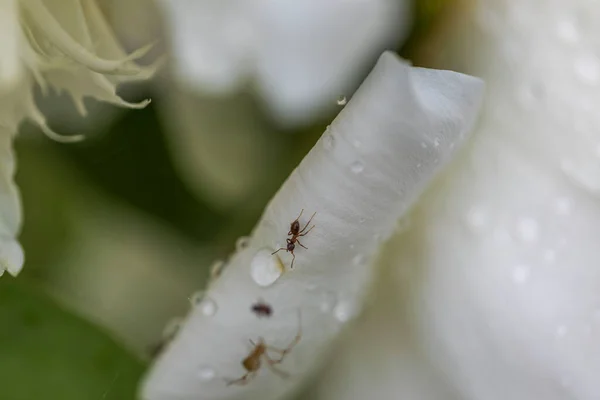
(67, 46)
(494, 293)
(401, 127)
(301, 55)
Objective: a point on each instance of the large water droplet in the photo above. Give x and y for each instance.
(344, 311)
(265, 268)
(357, 167)
(208, 307)
(242, 243)
(521, 274)
(528, 229)
(206, 373)
(341, 101)
(587, 69)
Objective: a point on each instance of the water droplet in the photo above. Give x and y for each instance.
(208, 307)
(328, 140)
(357, 167)
(549, 256)
(419, 165)
(206, 373)
(587, 68)
(217, 269)
(520, 274)
(528, 229)
(476, 218)
(359, 259)
(196, 297)
(242, 243)
(172, 327)
(344, 311)
(567, 31)
(563, 206)
(327, 303)
(341, 101)
(561, 331)
(436, 142)
(424, 145)
(265, 268)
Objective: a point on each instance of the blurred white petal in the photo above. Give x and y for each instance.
(508, 300)
(65, 44)
(301, 55)
(400, 128)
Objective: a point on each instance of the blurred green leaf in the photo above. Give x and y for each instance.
(47, 353)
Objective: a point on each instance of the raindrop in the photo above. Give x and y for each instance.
(567, 31)
(265, 268)
(217, 269)
(344, 311)
(242, 243)
(549, 256)
(341, 101)
(328, 140)
(208, 307)
(476, 218)
(436, 142)
(359, 259)
(587, 69)
(563, 206)
(172, 327)
(528, 229)
(520, 274)
(206, 373)
(196, 297)
(357, 167)
(327, 303)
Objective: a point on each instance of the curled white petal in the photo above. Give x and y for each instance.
(398, 130)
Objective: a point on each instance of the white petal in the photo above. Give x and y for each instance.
(398, 130)
(11, 68)
(508, 244)
(311, 52)
(212, 41)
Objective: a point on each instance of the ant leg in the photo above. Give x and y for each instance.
(293, 343)
(293, 259)
(302, 230)
(297, 241)
(271, 363)
(241, 381)
(306, 233)
(277, 251)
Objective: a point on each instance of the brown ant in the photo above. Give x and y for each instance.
(295, 233)
(262, 309)
(253, 361)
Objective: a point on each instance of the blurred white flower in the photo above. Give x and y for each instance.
(66, 45)
(397, 132)
(494, 293)
(301, 55)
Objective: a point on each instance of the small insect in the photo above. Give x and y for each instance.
(259, 352)
(295, 233)
(262, 309)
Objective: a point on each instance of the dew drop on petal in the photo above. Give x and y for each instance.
(357, 167)
(341, 101)
(328, 301)
(206, 373)
(208, 307)
(436, 142)
(172, 328)
(527, 229)
(344, 311)
(359, 259)
(265, 268)
(242, 243)
(328, 140)
(424, 145)
(520, 274)
(356, 143)
(196, 297)
(476, 218)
